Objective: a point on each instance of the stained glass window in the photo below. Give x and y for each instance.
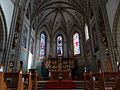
(59, 46)
(42, 45)
(76, 44)
(86, 32)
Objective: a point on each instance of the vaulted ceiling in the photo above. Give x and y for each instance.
(59, 13)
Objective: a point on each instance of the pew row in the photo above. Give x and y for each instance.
(102, 81)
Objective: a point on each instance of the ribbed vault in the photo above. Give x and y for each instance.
(59, 14)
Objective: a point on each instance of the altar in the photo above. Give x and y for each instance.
(59, 67)
(65, 74)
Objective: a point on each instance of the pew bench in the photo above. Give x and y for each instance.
(14, 80)
(91, 81)
(111, 80)
(102, 81)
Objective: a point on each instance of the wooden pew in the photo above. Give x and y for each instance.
(14, 80)
(34, 81)
(102, 81)
(88, 81)
(110, 80)
(2, 83)
(98, 81)
(27, 81)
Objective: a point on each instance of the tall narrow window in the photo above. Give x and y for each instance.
(76, 43)
(59, 46)
(86, 32)
(42, 45)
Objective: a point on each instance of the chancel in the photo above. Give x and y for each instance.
(59, 44)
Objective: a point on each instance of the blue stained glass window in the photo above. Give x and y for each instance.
(76, 44)
(59, 46)
(42, 45)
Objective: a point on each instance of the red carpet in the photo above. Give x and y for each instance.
(63, 84)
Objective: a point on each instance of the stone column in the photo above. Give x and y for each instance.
(109, 35)
(11, 35)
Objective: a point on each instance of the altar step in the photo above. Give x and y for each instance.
(41, 85)
(79, 85)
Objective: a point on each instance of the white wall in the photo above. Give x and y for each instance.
(111, 10)
(7, 8)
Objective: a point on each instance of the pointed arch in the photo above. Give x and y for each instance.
(59, 32)
(45, 30)
(76, 29)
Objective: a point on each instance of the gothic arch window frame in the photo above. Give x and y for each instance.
(79, 46)
(59, 35)
(44, 45)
